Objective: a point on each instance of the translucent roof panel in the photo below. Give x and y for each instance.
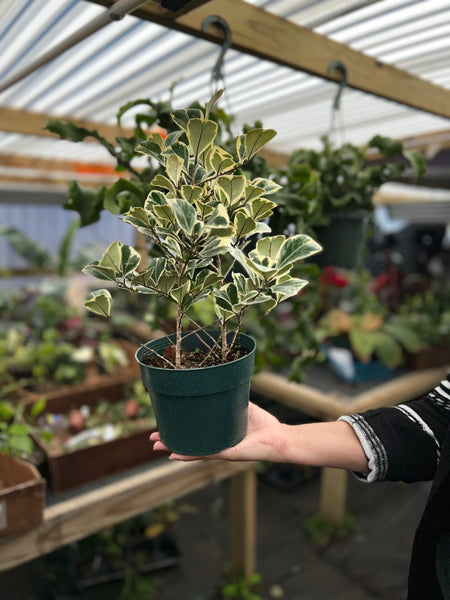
(133, 58)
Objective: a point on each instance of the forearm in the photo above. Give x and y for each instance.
(332, 444)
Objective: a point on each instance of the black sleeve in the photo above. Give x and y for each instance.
(403, 443)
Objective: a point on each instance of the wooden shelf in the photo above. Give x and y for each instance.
(84, 514)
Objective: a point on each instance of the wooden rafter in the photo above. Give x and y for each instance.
(32, 123)
(273, 38)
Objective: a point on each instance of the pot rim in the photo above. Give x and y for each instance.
(193, 369)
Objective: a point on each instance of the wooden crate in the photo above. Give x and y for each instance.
(74, 468)
(93, 381)
(22, 496)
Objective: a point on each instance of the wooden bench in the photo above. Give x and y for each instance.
(86, 513)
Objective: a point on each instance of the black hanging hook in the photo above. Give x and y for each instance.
(336, 65)
(217, 74)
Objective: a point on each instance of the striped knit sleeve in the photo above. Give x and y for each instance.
(403, 442)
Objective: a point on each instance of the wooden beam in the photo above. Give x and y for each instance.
(273, 38)
(32, 123)
(175, 14)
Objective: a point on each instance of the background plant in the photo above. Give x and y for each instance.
(316, 183)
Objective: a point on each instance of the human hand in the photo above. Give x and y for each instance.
(264, 440)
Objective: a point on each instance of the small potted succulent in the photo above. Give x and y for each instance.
(199, 217)
(329, 193)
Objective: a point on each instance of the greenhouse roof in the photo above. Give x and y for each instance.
(140, 56)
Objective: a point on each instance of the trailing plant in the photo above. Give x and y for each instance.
(199, 217)
(318, 182)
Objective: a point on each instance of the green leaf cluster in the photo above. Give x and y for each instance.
(207, 223)
(317, 182)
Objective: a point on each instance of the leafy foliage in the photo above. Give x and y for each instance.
(319, 182)
(200, 215)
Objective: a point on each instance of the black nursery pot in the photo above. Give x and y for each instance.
(203, 410)
(343, 239)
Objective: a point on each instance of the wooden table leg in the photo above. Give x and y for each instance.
(243, 522)
(333, 494)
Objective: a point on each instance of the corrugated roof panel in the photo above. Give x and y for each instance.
(133, 59)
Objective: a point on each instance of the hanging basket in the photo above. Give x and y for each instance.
(343, 239)
(203, 410)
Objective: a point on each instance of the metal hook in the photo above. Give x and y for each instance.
(217, 74)
(338, 66)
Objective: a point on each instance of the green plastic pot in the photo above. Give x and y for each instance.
(343, 239)
(199, 411)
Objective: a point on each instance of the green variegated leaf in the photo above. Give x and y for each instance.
(163, 214)
(201, 134)
(155, 197)
(181, 117)
(257, 138)
(159, 266)
(182, 151)
(240, 148)
(151, 148)
(219, 224)
(262, 228)
(297, 247)
(231, 188)
(240, 283)
(178, 293)
(184, 214)
(270, 247)
(204, 210)
(144, 280)
(165, 183)
(261, 208)
(214, 98)
(191, 193)
(130, 260)
(174, 168)
(213, 247)
(244, 225)
(222, 302)
(218, 160)
(268, 185)
(289, 288)
(104, 273)
(99, 303)
(166, 283)
(173, 245)
(206, 279)
(137, 216)
(252, 192)
(112, 257)
(172, 138)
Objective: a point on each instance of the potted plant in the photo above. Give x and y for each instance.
(22, 489)
(366, 346)
(329, 193)
(87, 436)
(362, 339)
(198, 218)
